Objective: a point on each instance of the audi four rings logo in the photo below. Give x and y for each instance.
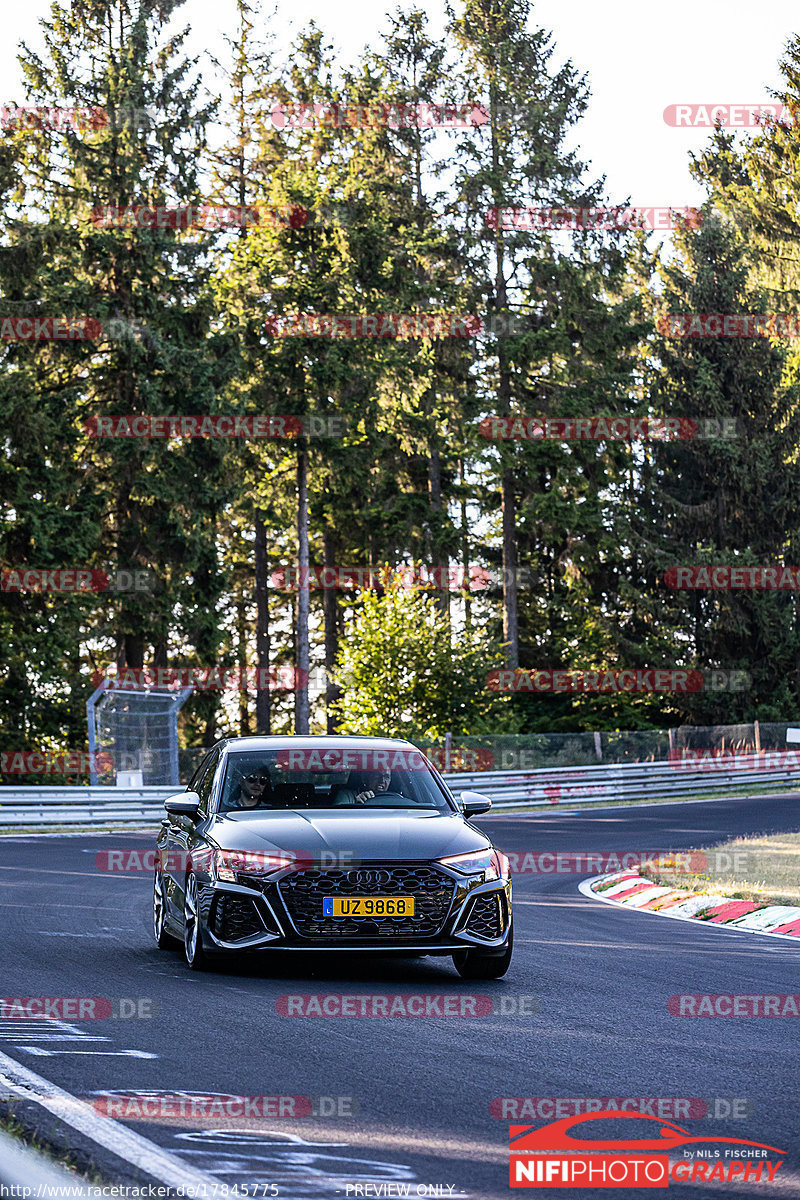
(371, 878)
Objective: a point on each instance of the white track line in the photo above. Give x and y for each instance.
(105, 1131)
(585, 888)
(589, 806)
(81, 833)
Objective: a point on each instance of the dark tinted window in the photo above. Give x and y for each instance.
(193, 782)
(205, 780)
(299, 778)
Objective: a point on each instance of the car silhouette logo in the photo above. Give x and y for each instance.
(555, 1137)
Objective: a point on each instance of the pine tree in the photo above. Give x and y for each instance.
(516, 159)
(723, 499)
(156, 504)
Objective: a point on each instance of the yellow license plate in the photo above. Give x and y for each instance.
(368, 906)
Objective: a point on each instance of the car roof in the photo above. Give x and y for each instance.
(314, 741)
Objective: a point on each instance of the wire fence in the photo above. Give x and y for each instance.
(139, 748)
(531, 751)
(133, 735)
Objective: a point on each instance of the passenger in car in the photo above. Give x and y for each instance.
(254, 791)
(363, 786)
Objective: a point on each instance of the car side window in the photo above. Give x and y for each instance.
(206, 782)
(194, 781)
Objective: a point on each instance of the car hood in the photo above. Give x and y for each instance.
(368, 835)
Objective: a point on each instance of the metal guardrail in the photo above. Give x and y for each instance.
(82, 805)
(627, 781)
(99, 806)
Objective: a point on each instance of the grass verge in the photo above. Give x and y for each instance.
(23, 1134)
(762, 869)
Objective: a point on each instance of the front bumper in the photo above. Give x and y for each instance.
(253, 914)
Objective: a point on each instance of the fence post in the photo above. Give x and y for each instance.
(598, 745)
(758, 737)
(448, 743)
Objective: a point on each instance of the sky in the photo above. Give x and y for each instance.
(639, 59)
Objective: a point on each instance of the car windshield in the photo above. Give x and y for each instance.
(340, 778)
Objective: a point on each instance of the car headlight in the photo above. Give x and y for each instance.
(491, 864)
(227, 863)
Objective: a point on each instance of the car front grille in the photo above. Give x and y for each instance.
(432, 889)
(485, 919)
(235, 919)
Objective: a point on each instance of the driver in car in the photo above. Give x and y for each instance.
(372, 784)
(253, 790)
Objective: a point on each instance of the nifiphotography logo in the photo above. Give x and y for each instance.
(551, 1156)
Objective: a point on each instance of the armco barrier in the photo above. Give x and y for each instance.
(82, 805)
(64, 806)
(627, 781)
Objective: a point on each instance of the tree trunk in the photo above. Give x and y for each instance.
(439, 560)
(510, 629)
(510, 626)
(130, 638)
(331, 607)
(465, 583)
(160, 654)
(241, 637)
(263, 697)
(301, 708)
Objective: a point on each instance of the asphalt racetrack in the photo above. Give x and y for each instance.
(407, 1100)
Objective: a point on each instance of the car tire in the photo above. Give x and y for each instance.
(164, 940)
(193, 951)
(472, 964)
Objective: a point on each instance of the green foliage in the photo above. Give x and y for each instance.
(405, 673)
(718, 499)
(397, 223)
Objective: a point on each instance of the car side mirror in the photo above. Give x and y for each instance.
(474, 803)
(184, 805)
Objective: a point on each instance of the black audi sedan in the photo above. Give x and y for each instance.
(330, 843)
